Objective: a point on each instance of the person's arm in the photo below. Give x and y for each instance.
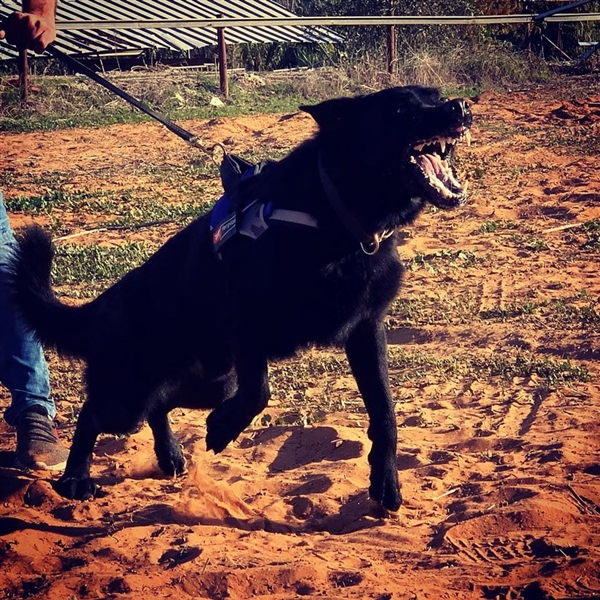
(33, 28)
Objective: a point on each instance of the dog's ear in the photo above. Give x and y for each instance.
(331, 113)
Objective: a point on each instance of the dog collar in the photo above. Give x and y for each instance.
(369, 243)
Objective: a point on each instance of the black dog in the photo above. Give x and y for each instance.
(305, 254)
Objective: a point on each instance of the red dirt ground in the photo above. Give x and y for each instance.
(501, 477)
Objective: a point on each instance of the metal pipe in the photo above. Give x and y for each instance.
(320, 21)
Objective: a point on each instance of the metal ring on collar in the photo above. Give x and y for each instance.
(371, 248)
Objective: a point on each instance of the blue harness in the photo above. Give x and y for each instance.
(231, 217)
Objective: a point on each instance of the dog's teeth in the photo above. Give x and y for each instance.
(443, 145)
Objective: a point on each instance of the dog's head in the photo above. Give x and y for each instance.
(401, 139)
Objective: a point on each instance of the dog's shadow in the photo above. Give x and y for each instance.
(305, 445)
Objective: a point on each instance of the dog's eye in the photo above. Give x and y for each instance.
(406, 114)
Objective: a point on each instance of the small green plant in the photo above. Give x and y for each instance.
(592, 231)
(536, 245)
(444, 258)
(489, 227)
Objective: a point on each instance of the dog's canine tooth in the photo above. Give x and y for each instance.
(443, 145)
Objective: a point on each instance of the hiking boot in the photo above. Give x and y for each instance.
(38, 446)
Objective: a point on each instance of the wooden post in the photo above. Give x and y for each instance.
(23, 76)
(391, 46)
(222, 49)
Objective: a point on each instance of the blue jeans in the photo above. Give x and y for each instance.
(23, 368)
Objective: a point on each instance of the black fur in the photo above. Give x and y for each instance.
(188, 330)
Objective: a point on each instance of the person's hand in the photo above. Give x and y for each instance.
(28, 31)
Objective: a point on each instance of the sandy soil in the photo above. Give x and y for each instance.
(500, 468)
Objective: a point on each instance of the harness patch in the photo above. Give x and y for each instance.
(227, 220)
(252, 218)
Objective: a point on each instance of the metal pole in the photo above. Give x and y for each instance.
(222, 49)
(23, 76)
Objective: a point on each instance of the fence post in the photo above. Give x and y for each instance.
(23, 76)
(391, 46)
(222, 50)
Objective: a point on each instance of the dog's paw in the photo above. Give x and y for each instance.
(75, 488)
(386, 491)
(221, 429)
(171, 462)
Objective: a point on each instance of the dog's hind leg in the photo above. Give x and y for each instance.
(366, 349)
(76, 482)
(166, 447)
(193, 392)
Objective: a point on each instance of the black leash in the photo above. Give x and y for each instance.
(81, 68)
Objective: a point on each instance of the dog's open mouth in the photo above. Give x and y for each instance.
(436, 175)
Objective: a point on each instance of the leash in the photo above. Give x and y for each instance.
(79, 67)
(184, 134)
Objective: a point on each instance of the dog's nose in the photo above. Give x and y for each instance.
(459, 109)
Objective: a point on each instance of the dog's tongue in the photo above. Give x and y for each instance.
(434, 167)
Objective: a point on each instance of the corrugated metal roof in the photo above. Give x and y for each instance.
(110, 41)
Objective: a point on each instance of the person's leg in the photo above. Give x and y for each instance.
(24, 372)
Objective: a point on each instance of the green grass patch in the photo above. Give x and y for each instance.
(417, 364)
(68, 102)
(93, 264)
(566, 312)
(416, 311)
(462, 308)
(125, 208)
(292, 379)
(56, 199)
(528, 242)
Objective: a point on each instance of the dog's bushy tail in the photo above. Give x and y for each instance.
(66, 328)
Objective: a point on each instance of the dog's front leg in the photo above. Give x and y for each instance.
(229, 419)
(366, 349)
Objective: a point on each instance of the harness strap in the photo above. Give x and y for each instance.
(294, 216)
